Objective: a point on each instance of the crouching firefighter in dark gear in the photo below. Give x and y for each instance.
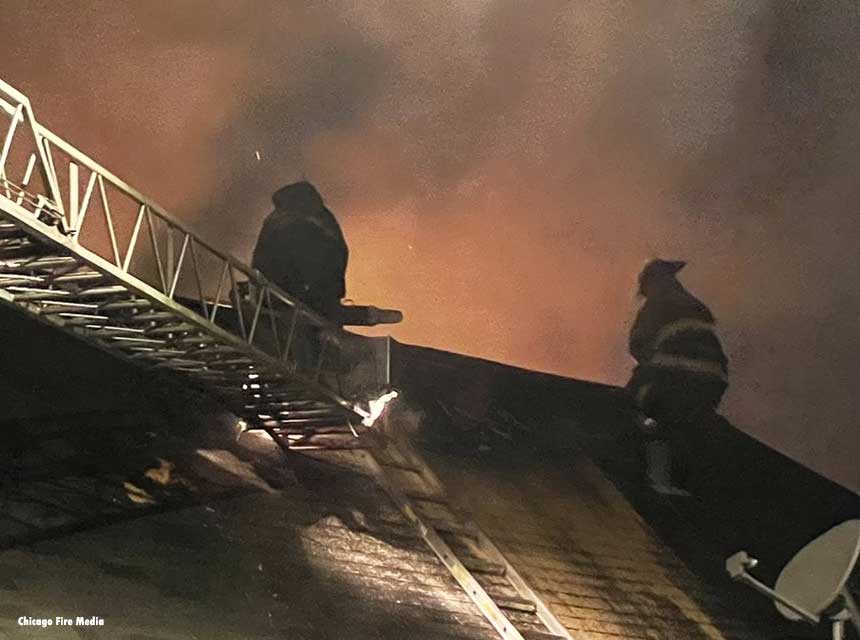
(681, 373)
(301, 249)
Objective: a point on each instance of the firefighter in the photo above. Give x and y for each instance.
(681, 373)
(302, 250)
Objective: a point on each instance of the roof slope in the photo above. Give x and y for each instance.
(327, 556)
(600, 567)
(746, 495)
(224, 545)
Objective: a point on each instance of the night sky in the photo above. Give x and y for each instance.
(503, 169)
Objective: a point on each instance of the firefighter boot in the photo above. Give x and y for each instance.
(658, 459)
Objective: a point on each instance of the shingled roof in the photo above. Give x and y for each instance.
(572, 459)
(229, 545)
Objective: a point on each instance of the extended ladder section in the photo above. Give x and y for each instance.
(502, 595)
(82, 250)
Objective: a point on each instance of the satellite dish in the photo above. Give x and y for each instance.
(816, 576)
(814, 583)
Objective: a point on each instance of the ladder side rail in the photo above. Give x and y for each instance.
(159, 212)
(20, 107)
(23, 217)
(13, 93)
(251, 274)
(54, 322)
(491, 611)
(42, 134)
(44, 138)
(17, 116)
(495, 554)
(522, 587)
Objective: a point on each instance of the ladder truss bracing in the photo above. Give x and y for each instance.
(84, 251)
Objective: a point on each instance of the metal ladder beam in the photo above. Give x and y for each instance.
(52, 268)
(144, 287)
(477, 564)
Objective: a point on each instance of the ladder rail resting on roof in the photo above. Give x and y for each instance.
(161, 307)
(57, 211)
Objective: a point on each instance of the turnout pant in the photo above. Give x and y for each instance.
(680, 402)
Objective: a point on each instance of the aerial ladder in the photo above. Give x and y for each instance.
(84, 252)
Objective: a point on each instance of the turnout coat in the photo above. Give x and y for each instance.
(682, 371)
(302, 250)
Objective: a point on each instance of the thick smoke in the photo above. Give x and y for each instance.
(502, 169)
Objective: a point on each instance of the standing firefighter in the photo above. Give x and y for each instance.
(681, 373)
(302, 249)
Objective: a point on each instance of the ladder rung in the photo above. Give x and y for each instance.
(99, 292)
(236, 372)
(539, 635)
(74, 312)
(140, 352)
(288, 391)
(313, 436)
(181, 362)
(221, 349)
(217, 359)
(151, 316)
(233, 362)
(227, 376)
(195, 340)
(238, 360)
(307, 413)
(9, 230)
(477, 565)
(54, 306)
(17, 239)
(427, 497)
(400, 466)
(172, 328)
(27, 294)
(14, 280)
(345, 445)
(264, 406)
(119, 305)
(163, 353)
(453, 528)
(184, 368)
(514, 603)
(109, 332)
(217, 351)
(260, 399)
(20, 239)
(49, 262)
(250, 386)
(220, 386)
(84, 276)
(332, 420)
(25, 250)
(141, 340)
(317, 431)
(265, 379)
(79, 318)
(323, 441)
